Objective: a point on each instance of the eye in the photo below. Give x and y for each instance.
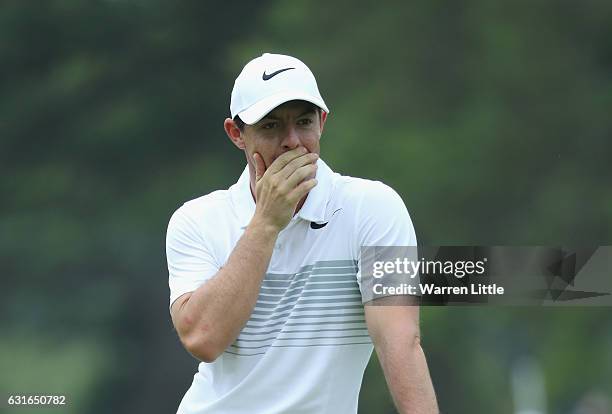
(305, 121)
(269, 125)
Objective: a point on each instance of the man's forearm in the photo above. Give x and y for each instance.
(396, 335)
(214, 314)
(408, 378)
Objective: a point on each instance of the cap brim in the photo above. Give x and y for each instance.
(256, 112)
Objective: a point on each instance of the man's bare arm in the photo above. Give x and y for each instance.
(209, 319)
(396, 336)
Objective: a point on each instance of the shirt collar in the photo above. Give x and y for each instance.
(314, 208)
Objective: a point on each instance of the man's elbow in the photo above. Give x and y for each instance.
(414, 339)
(199, 339)
(416, 347)
(202, 347)
(196, 334)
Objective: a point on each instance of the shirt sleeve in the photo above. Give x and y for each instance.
(383, 221)
(190, 260)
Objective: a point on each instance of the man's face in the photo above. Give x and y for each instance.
(291, 125)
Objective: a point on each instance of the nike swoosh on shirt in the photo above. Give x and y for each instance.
(317, 226)
(273, 74)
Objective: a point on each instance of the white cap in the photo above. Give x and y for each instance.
(269, 81)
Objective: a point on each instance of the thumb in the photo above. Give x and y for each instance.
(260, 166)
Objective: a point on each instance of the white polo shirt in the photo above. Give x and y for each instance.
(306, 345)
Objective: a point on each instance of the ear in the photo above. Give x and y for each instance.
(323, 119)
(233, 133)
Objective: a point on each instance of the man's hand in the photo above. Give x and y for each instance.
(279, 188)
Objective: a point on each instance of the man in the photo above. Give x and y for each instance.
(265, 277)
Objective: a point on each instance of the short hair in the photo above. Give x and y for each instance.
(241, 124)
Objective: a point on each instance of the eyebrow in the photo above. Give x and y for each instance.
(306, 112)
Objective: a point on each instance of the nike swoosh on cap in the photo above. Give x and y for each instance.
(273, 74)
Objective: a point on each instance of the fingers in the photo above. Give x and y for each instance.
(285, 158)
(283, 183)
(291, 173)
(300, 174)
(303, 189)
(260, 166)
(296, 163)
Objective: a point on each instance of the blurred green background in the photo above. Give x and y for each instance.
(492, 119)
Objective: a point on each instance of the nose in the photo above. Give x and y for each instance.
(291, 139)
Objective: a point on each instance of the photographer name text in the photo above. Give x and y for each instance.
(431, 289)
